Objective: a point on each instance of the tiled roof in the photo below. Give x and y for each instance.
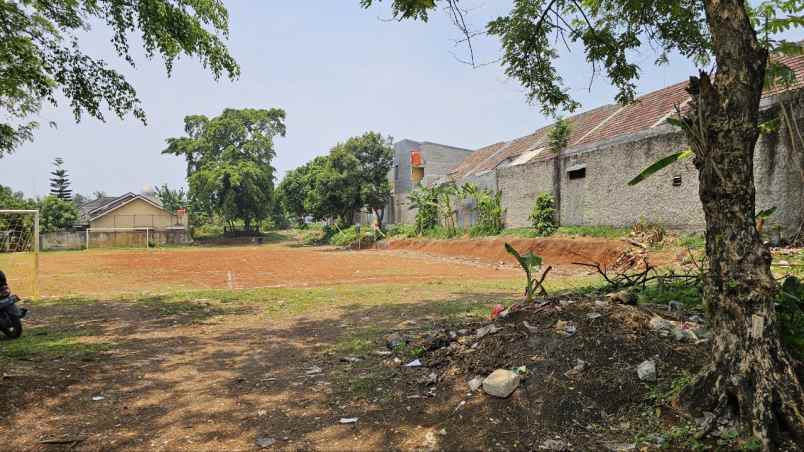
(602, 123)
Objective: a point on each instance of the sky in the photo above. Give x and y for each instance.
(336, 69)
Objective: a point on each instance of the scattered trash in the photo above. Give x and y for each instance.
(623, 297)
(262, 413)
(601, 303)
(501, 383)
(696, 318)
(594, 315)
(566, 303)
(521, 370)
(383, 352)
(565, 328)
(414, 363)
(647, 370)
(460, 405)
(496, 310)
(580, 365)
(264, 441)
(348, 420)
(315, 370)
(475, 383)
(486, 330)
(661, 325)
(351, 359)
(621, 447)
(552, 444)
(529, 327)
(430, 379)
(98, 398)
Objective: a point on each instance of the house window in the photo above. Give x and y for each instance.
(676, 181)
(576, 172)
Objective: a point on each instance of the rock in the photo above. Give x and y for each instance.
(683, 335)
(433, 341)
(475, 383)
(661, 325)
(647, 370)
(675, 306)
(429, 379)
(696, 318)
(350, 359)
(395, 341)
(580, 365)
(552, 444)
(264, 441)
(501, 383)
(623, 297)
(594, 315)
(314, 370)
(486, 330)
(601, 303)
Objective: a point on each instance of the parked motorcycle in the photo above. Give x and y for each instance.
(11, 317)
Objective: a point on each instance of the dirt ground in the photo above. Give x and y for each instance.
(281, 367)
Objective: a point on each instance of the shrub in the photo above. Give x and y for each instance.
(57, 214)
(489, 210)
(400, 231)
(542, 217)
(348, 236)
(316, 234)
(426, 201)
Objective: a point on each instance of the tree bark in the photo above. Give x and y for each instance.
(751, 377)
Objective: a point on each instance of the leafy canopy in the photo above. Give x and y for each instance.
(41, 55)
(229, 159)
(57, 214)
(611, 33)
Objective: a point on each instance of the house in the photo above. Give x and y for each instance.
(610, 145)
(417, 163)
(130, 211)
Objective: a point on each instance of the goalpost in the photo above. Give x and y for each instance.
(118, 237)
(19, 250)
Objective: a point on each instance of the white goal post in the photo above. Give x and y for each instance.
(148, 234)
(19, 241)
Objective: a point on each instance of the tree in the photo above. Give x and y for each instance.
(229, 163)
(292, 191)
(60, 183)
(334, 187)
(751, 374)
(172, 200)
(57, 214)
(99, 194)
(79, 200)
(42, 58)
(374, 155)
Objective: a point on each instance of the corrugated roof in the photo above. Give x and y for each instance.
(600, 124)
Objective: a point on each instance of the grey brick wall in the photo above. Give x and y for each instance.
(520, 186)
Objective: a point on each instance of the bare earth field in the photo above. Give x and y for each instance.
(151, 350)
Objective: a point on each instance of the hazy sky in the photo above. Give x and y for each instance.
(337, 70)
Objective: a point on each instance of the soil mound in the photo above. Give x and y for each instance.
(554, 250)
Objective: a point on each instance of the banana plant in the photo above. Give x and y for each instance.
(530, 263)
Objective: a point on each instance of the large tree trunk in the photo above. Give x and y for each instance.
(750, 376)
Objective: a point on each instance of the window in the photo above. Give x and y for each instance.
(676, 181)
(576, 173)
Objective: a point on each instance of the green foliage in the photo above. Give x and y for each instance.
(558, 136)
(529, 263)
(172, 199)
(348, 237)
(400, 231)
(608, 232)
(229, 159)
(59, 182)
(543, 215)
(354, 175)
(43, 60)
(790, 310)
(661, 164)
(425, 201)
(488, 205)
(57, 214)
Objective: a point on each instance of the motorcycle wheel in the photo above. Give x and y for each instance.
(15, 330)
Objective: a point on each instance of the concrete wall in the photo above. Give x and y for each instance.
(76, 240)
(520, 186)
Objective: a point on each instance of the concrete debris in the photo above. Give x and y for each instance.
(501, 383)
(552, 444)
(529, 327)
(264, 441)
(647, 370)
(486, 330)
(475, 383)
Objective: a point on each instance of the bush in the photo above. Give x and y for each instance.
(542, 217)
(489, 210)
(316, 234)
(400, 231)
(348, 237)
(57, 214)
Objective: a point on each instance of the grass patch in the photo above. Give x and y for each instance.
(359, 342)
(608, 232)
(691, 241)
(40, 343)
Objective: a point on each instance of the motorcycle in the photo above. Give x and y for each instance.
(11, 317)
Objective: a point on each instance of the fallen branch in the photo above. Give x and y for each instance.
(63, 440)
